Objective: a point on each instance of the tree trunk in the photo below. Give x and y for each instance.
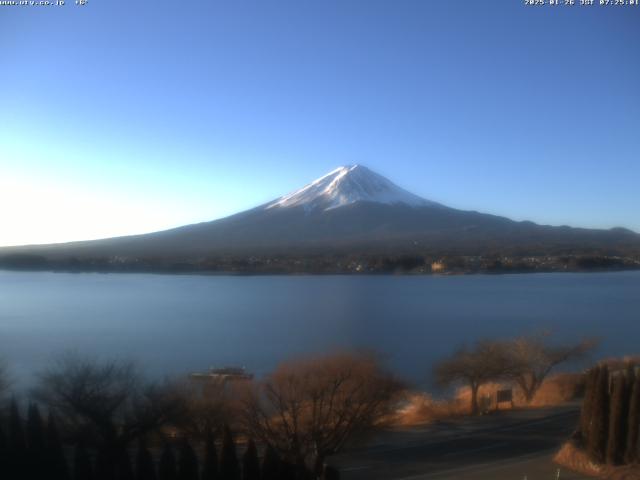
(631, 454)
(586, 414)
(529, 393)
(474, 399)
(318, 467)
(598, 432)
(529, 387)
(617, 423)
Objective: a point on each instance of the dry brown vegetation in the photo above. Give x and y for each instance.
(559, 389)
(576, 459)
(473, 367)
(605, 442)
(532, 358)
(308, 409)
(422, 408)
(209, 407)
(304, 411)
(620, 363)
(555, 390)
(525, 362)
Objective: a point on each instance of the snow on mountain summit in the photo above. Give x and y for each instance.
(347, 185)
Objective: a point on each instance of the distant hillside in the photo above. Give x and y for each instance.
(350, 211)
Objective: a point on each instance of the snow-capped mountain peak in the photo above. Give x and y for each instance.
(347, 185)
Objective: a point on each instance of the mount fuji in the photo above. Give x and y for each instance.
(350, 210)
(346, 186)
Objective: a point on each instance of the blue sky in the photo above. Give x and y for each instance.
(124, 117)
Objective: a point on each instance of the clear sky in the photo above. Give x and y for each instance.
(124, 116)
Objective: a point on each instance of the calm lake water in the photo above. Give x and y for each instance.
(182, 323)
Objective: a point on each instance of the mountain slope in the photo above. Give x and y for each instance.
(350, 210)
(346, 186)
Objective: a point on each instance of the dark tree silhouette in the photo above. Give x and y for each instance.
(270, 464)
(208, 407)
(3, 454)
(286, 471)
(187, 462)
(4, 378)
(229, 468)
(82, 466)
(56, 460)
(145, 467)
(108, 399)
(631, 374)
(617, 422)
(210, 466)
(330, 473)
(17, 446)
(36, 444)
(631, 453)
(124, 470)
(250, 462)
(105, 465)
(587, 404)
(598, 431)
(167, 467)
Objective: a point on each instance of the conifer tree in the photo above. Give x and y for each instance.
(270, 464)
(633, 428)
(210, 466)
(629, 380)
(587, 404)
(16, 445)
(250, 462)
(597, 443)
(145, 468)
(187, 462)
(82, 467)
(124, 470)
(105, 466)
(56, 461)
(3, 452)
(35, 430)
(36, 445)
(631, 374)
(229, 467)
(330, 473)
(167, 467)
(617, 420)
(286, 471)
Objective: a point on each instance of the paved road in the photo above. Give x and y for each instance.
(514, 445)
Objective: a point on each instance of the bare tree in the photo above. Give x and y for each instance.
(486, 361)
(308, 409)
(5, 381)
(107, 402)
(210, 407)
(532, 358)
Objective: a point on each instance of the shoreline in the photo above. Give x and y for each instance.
(275, 273)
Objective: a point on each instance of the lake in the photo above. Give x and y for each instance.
(174, 324)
